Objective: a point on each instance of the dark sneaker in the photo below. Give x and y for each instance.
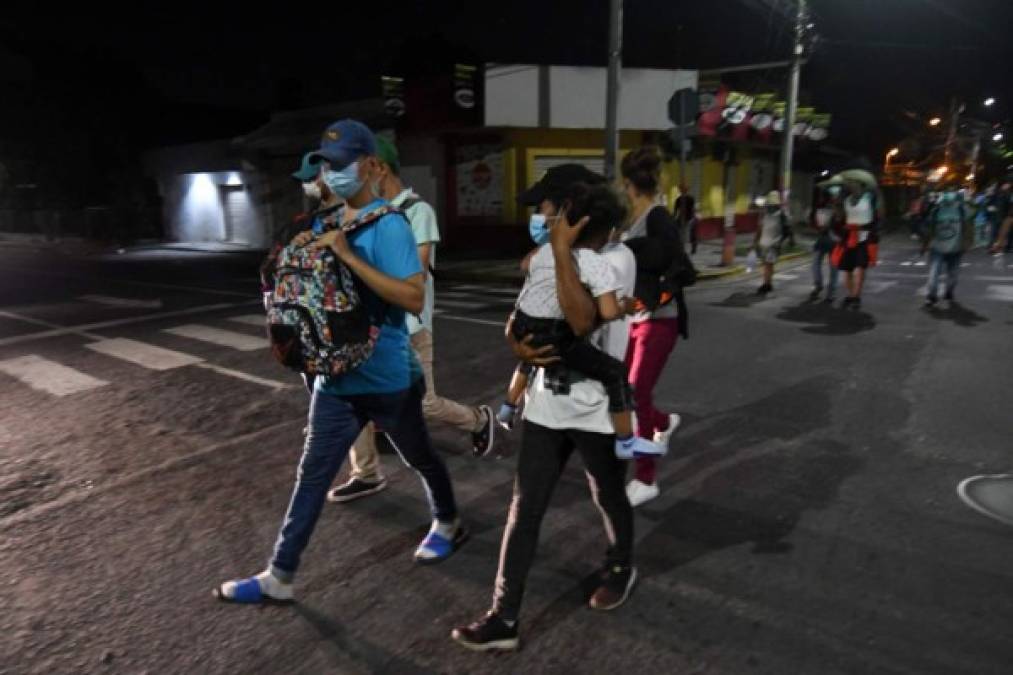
(815, 294)
(948, 297)
(764, 289)
(617, 584)
(355, 489)
(931, 300)
(482, 440)
(829, 300)
(488, 633)
(856, 304)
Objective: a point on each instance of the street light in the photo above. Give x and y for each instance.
(998, 137)
(892, 153)
(989, 102)
(935, 122)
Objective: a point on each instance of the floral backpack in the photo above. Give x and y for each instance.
(316, 321)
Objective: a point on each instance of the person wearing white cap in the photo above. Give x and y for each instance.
(772, 230)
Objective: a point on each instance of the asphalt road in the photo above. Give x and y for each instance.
(808, 521)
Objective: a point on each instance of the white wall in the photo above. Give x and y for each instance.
(577, 96)
(194, 213)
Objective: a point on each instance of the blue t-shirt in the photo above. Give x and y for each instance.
(389, 246)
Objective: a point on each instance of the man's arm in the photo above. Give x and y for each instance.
(408, 293)
(424, 250)
(577, 304)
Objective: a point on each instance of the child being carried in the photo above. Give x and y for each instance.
(538, 314)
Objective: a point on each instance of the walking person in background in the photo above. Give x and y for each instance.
(366, 476)
(949, 234)
(855, 253)
(829, 225)
(653, 335)
(770, 234)
(685, 215)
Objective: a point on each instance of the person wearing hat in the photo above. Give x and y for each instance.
(772, 230)
(387, 388)
(366, 477)
(829, 225)
(557, 425)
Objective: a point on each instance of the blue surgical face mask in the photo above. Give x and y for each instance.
(834, 190)
(345, 183)
(539, 229)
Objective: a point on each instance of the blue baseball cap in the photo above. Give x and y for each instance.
(309, 169)
(344, 142)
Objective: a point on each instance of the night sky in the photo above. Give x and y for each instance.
(181, 72)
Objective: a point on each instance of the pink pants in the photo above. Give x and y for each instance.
(651, 343)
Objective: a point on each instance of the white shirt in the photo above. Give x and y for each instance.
(770, 228)
(860, 212)
(538, 298)
(586, 406)
(422, 218)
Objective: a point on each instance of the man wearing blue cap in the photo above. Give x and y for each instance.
(366, 476)
(387, 389)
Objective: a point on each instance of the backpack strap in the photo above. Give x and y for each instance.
(371, 217)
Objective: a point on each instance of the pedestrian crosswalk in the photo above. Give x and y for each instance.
(222, 331)
(219, 336)
(143, 354)
(48, 376)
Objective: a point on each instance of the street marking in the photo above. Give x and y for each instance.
(274, 384)
(879, 286)
(47, 324)
(257, 320)
(48, 376)
(987, 278)
(906, 263)
(785, 277)
(466, 319)
(1003, 293)
(80, 330)
(143, 354)
(921, 263)
(150, 284)
(122, 302)
(218, 336)
(501, 290)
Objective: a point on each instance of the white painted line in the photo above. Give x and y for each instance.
(921, 263)
(219, 336)
(965, 264)
(465, 319)
(1003, 293)
(906, 263)
(501, 290)
(274, 384)
(463, 305)
(49, 376)
(785, 277)
(258, 320)
(143, 354)
(47, 324)
(80, 330)
(879, 286)
(987, 278)
(122, 302)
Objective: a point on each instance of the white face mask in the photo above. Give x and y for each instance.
(312, 190)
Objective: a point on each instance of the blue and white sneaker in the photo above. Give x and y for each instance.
(634, 446)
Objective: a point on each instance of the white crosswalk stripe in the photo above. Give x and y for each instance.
(132, 303)
(143, 354)
(48, 376)
(1001, 293)
(219, 336)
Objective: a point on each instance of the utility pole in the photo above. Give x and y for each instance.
(792, 103)
(951, 137)
(612, 88)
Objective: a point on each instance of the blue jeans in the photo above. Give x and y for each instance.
(952, 262)
(334, 424)
(818, 256)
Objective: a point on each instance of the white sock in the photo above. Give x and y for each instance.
(273, 586)
(446, 529)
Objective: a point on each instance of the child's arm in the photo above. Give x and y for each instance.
(608, 307)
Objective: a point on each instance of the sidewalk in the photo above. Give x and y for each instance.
(707, 261)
